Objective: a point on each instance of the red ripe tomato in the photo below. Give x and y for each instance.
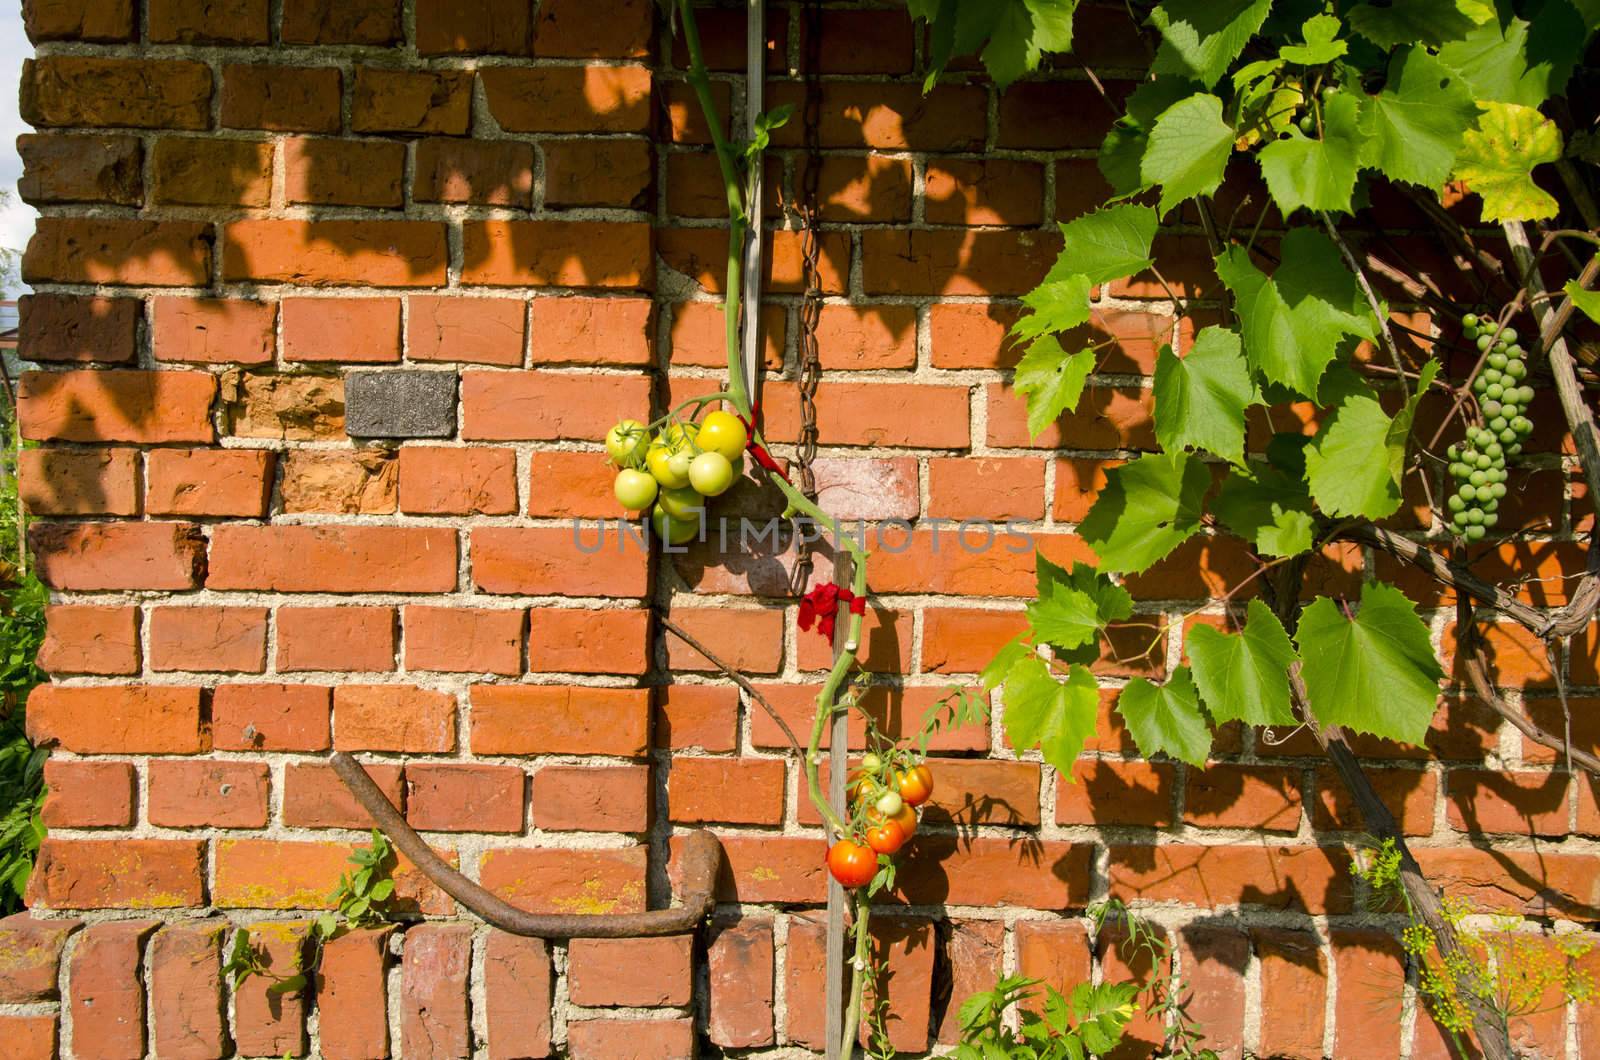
(886, 838)
(916, 784)
(906, 819)
(851, 863)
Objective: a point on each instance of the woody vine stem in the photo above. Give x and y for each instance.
(735, 166)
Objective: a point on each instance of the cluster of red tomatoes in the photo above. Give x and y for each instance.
(673, 471)
(884, 799)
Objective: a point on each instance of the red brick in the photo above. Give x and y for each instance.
(862, 188)
(586, 641)
(567, 881)
(411, 101)
(280, 874)
(352, 995)
(992, 191)
(1057, 952)
(898, 714)
(336, 638)
(117, 874)
(30, 957)
(315, 797)
(209, 482)
(566, 30)
(698, 335)
(1106, 418)
(66, 90)
(434, 974)
(701, 254)
(1515, 803)
(993, 871)
(325, 171)
(1409, 794)
(1078, 483)
(893, 117)
(90, 639)
(642, 973)
(463, 640)
(1055, 115)
(660, 1039)
(448, 481)
(569, 99)
(198, 22)
(78, 481)
(1293, 982)
(267, 1023)
(903, 948)
(212, 331)
(703, 716)
(547, 406)
(968, 335)
(1369, 968)
(271, 717)
(965, 640)
(116, 406)
(107, 993)
(750, 641)
(186, 997)
(348, 481)
(739, 958)
(208, 638)
(1301, 878)
(79, 20)
(558, 719)
(475, 798)
(64, 327)
(486, 172)
(576, 330)
(590, 172)
(996, 488)
(281, 98)
(875, 414)
(123, 719)
(517, 994)
(393, 718)
(88, 794)
(495, 28)
(355, 330)
(540, 561)
(701, 790)
(975, 950)
(333, 559)
(1229, 796)
(804, 989)
(885, 644)
(201, 794)
(567, 485)
(862, 42)
(317, 253)
(592, 798)
(1214, 961)
(1517, 657)
(874, 337)
(29, 1037)
(62, 168)
(192, 171)
(331, 22)
(557, 254)
(989, 262)
(474, 330)
(1108, 792)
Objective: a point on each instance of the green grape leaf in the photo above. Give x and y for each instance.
(1355, 462)
(1051, 379)
(1589, 10)
(1266, 507)
(1064, 618)
(1122, 151)
(994, 675)
(1587, 301)
(1319, 174)
(1011, 52)
(1244, 675)
(1292, 321)
(1375, 674)
(1201, 38)
(1112, 602)
(1201, 397)
(1418, 120)
(1149, 507)
(1166, 718)
(1052, 24)
(1406, 21)
(1497, 160)
(1188, 150)
(1056, 716)
(1321, 46)
(1108, 244)
(1059, 304)
(1516, 61)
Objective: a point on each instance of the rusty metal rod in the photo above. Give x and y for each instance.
(702, 857)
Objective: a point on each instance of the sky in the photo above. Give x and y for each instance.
(16, 217)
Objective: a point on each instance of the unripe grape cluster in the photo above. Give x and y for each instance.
(1478, 464)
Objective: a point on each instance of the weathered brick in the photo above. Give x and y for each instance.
(585, 641)
(567, 881)
(208, 638)
(434, 974)
(203, 794)
(996, 488)
(567, 99)
(186, 997)
(281, 98)
(547, 562)
(568, 485)
(557, 254)
(107, 21)
(60, 168)
(517, 993)
(29, 1037)
(592, 798)
(284, 407)
(891, 116)
(411, 101)
(739, 960)
(450, 481)
(317, 253)
(268, 1023)
(591, 172)
(351, 481)
(88, 795)
(65, 327)
(78, 481)
(103, 250)
(271, 717)
(30, 957)
(352, 998)
(1108, 792)
(1309, 879)
(698, 335)
(191, 171)
(315, 797)
(698, 790)
(484, 172)
(90, 639)
(334, 559)
(393, 718)
(116, 406)
(106, 998)
(68, 90)
(701, 716)
(991, 191)
(464, 798)
(1229, 796)
(204, 22)
(359, 330)
(341, 22)
(120, 719)
(1293, 983)
(546, 406)
(567, 30)
(324, 171)
(749, 640)
(117, 874)
(283, 874)
(601, 1039)
(612, 331)
(472, 330)
(903, 261)
(463, 640)
(212, 331)
(557, 719)
(645, 973)
(209, 482)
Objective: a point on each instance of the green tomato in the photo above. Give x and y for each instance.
(711, 474)
(674, 531)
(634, 490)
(661, 465)
(721, 432)
(682, 503)
(626, 443)
(871, 764)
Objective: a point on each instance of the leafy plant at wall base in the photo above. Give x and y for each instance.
(1088, 1023)
(22, 630)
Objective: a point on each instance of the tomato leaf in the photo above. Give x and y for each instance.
(1149, 507)
(1166, 718)
(1375, 673)
(1244, 675)
(1188, 150)
(1498, 157)
(1200, 398)
(1056, 716)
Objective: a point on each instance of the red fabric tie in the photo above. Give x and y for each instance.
(757, 450)
(820, 607)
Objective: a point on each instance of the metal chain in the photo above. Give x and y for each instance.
(810, 367)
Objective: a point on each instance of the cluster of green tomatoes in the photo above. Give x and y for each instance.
(673, 470)
(1478, 464)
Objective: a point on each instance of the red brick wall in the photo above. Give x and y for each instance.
(244, 202)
